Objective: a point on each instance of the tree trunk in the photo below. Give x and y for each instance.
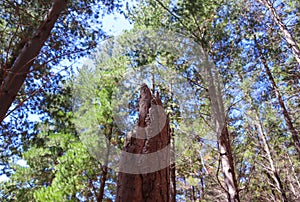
(100, 196)
(220, 125)
(173, 164)
(17, 74)
(144, 168)
(286, 115)
(287, 35)
(104, 167)
(274, 175)
(228, 166)
(173, 169)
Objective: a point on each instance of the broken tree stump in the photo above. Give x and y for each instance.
(145, 161)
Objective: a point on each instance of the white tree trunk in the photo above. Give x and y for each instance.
(220, 126)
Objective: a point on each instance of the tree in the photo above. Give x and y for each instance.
(256, 82)
(39, 35)
(61, 162)
(283, 107)
(184, 18)
(286, 33)
(49, 158)
(20, 60)
(15, 77)
(228, 83)
(146, 176)
(94, 103)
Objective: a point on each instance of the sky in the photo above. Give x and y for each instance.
(114, 24)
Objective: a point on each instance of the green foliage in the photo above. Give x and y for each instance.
(61, 170)
(72, 174)
(227, 31)
(61, 164)
(73, 36)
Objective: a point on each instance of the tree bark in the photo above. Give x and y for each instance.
(287, 35)
(173, 164)
(142, 183)
(228, 166)
(173, 170)
(274, 175)
(104, 167)
(220, 125)
(286, 115)
(16, 75)
(104, 173)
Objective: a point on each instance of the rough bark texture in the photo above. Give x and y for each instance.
(146, 187)
(286, 33)
(16, 75)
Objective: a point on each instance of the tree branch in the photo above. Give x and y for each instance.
(19, 70)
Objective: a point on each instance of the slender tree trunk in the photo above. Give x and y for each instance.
(173, 169)
(288, 119)
(221, 130)
(273, 171)
(286, 33)
(17, 74)
(103, 179)
(173, 164)
(296, 178)
(144, 170)
(104, 167)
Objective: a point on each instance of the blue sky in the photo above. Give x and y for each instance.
(114, 24)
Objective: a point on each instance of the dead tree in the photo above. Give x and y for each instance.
(144, 167)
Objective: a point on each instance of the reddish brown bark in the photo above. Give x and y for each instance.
(228, 166)
(16, 75)
(138, 185)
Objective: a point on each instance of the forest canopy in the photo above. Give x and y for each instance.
(226, 72)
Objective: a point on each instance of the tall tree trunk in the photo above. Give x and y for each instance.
(221, 130)
(228, 166)
(286, 115)
(17, 74)
(144, 168)
(274, 175)
(286, 33)
(173, 164)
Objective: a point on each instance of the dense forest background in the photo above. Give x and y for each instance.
(227, 73)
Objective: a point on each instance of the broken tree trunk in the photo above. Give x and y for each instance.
(144, 167)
